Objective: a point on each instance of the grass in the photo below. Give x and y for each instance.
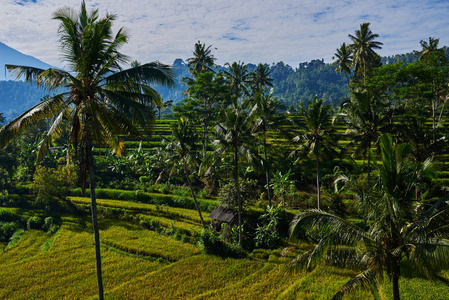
(62, 266)
(153, 209)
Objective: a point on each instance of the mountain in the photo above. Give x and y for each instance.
(11, 56)
(17, 97)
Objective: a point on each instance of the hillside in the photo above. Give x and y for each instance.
(159, 261)
(11, 56)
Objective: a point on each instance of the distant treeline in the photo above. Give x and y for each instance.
(291, 85)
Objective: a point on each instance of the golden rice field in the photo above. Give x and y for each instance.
(66, 270)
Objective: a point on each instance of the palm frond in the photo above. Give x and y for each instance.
(46, 109)
(153, 72)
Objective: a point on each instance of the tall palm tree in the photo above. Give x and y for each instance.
(99, 98)
(234, 136)
(344, 60)
(259, 79)
(319, 137)
(268, 118)
(362, 48)
(183, 143)
(363, 116)
(237, 76)
(395, 233)
(202, 61)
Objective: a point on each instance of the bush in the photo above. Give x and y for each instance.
(34, 223)
(50, 185)
(7, 229)
(336, 206)
(210, 243)
(267, 236)
(228, 194)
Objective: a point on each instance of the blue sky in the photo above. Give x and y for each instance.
(251, 31)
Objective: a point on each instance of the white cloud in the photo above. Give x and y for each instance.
(251, 31)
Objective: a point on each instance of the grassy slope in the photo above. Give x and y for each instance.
(66, 270)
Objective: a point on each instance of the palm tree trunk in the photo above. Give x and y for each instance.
(192, 193)
(368, 183)
(205, 129)
(95, 222)
(318, 180)
(237, 187)
(395, 279)
(267, 176)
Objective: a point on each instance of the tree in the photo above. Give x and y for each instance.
(101, 100)
(237, 76)
(234, 136)
(431, 47)
(363, 116)
(319, 138)
(396, 232)
(362, 48)
(2, 118)
(344, 60)
(183, 144)
(208, 95)
(267, 118)
(260, 78)
(202, 60)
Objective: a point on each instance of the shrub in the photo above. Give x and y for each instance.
(228, 194)
(34, 223)
(336, 206)
(50, 185)
(7, 229)
(210, 243)
(267, 236)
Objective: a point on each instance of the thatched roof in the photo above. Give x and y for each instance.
(224, 215)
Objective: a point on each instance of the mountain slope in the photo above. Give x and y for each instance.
(11, 56)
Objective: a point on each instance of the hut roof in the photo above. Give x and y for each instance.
(222, 214)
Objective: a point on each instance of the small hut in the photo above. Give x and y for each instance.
(222, 215)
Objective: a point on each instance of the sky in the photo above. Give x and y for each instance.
(251, 31)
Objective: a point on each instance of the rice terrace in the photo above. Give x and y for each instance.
(131, 179)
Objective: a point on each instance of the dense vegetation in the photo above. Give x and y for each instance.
(326, 199)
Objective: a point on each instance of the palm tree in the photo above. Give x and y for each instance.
(431, 47)
(202, 60)
(344, 60)
(319, 136)
(362, 48)
(267, 118)
(183, 143)
(234, 136)
(260, 78)
(237, 76)
(394, 234)
(362, 114)
(100, 99)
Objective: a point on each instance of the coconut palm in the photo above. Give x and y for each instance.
(267, 118)
(344, 60)
(431, 47)
(237, 76)
(395, 233)
(319, 137)
(202, 60)
(362, 114)
(259, 79)
(362, 48)
(234, 137)
(183, 143)
(99, 99)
